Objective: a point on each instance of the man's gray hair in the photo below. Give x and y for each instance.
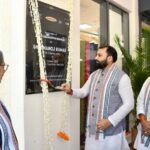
(1, 58)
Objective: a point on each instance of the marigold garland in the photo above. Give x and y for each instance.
(34, 12)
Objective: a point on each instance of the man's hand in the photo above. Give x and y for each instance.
(66, 88)
(103, 124)
(146, 127)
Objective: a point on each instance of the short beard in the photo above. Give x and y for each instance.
(101, 64)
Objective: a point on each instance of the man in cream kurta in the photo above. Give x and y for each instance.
(142, 141)
(110, 99)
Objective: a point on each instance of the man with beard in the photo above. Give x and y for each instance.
(110, 99)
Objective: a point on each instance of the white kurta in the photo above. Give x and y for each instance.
(115, 142)
(140, 110)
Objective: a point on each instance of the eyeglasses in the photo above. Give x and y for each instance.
(5, 66)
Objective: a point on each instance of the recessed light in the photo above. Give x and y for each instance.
(85, 26)
(52, 19)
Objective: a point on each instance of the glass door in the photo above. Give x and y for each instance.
(89, 40)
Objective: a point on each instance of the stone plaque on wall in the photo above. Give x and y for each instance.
(55, 31)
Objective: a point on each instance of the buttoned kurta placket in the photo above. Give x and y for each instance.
(94, 102)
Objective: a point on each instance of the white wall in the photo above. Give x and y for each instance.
(34, 128)
(5, 46)
(17, 55)
(75, 104)
(124, 4)
(12, 43)
(134, 26)
(131, 6)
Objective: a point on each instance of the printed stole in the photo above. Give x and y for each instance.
(104, 94)
(9, 140)
(146, 104)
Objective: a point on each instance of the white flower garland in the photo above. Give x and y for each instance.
(48, 121)
(48, 136)
(66, 98)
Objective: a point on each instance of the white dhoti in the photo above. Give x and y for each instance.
(138, 145)
(115, 142)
